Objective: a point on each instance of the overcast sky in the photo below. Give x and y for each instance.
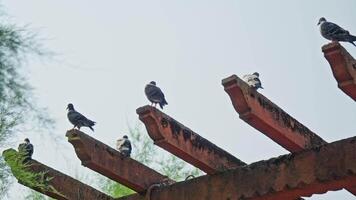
(108, 50)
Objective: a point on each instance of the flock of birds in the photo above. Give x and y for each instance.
(154, 94)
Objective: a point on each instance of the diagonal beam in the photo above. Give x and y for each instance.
(110, 163)
(343, 66)
(66, 187)
(325, 168)
(267, 117)
(174, 137)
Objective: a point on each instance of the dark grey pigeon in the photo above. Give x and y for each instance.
(26, 149)
(123, 145)
(155, 95)
(334, 32)
(77, 119)
(253, 80)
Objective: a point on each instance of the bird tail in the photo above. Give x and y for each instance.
(164, 102)
(91, 128)
(353, 39)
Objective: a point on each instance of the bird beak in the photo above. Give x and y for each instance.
(318, 23)
(67, 108)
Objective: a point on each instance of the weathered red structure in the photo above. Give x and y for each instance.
(313, 166)
(343, 66)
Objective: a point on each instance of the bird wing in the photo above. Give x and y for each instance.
(75, 116)
(333, 31)
(154, 93)
(119, 143)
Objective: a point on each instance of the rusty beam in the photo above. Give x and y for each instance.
(343, 66)
(60, 186)
(325, 168)
(267, 117)
(110, 163)
(174, 137)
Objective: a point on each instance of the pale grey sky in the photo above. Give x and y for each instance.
(110, 49)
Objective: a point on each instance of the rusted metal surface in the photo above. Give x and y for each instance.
(267, 117)
(110, 163)
(174, 137)
(67, 187)
(325, 168)
(343, 66)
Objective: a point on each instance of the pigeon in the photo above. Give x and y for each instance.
(77, 119)
(155, 95)
(253, 80)
(26, 149)
(123, 145)
(334, 32)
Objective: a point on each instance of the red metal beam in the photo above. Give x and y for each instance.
(325, 168)
(343, 66)
(68, 188)
(267, 117)
(184, 143)
(110, 163)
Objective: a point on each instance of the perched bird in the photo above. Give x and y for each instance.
(77, 119)
(334, 32)
(155, 95)
(253, 80)
(26, 149)
(123, 145)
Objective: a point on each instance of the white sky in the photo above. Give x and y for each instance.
(108, 51)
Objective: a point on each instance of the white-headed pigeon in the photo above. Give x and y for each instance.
(253, 80)
(123, 145)
(334, 32)
(77, 119)
(155, 95)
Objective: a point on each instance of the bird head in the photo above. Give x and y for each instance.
(321, 20)
(125, 136)
(27, 140)
(256, 74)
(70, 107)
(153, 83)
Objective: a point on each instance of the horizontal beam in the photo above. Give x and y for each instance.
(343, 66)
(110, 163)
(267, 117)
(174, 137)
(325, 168)
(63, 187)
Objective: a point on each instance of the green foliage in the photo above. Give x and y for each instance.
(114, 189)
(145, 152)
(16, 98)
(19, 168)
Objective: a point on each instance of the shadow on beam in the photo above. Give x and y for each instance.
(343, 66)
(287, 177)
(174, 137)
(58, 185)
(110, 163)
